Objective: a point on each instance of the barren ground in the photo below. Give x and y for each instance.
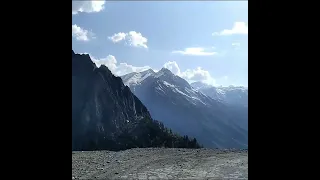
(160, 163)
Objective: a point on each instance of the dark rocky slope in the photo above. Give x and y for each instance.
(106, 115)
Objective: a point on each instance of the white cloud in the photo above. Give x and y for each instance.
(238, 28)
(173, 67)
(110, 61)
(132, 38)
(81, 34)
(137, 40)
(87, 6)
(198, 74)
(195, 51)
(116, 68)
(191, 75)
(118, 37)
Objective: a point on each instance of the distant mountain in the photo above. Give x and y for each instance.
(199, 85)
(186, 110)
(232, 95)
(106, 115)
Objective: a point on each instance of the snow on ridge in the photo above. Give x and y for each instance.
(221, 91)
(199, 100)
(192, 95)
(168, 84)
(159, 88)
(158, 74)
(177, 90)
(146, 75)
(233, 88)
(137, 78)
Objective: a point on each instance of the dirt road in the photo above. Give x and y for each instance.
(157, 163)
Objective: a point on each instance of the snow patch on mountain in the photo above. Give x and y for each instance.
(136, 78)
(168, 84)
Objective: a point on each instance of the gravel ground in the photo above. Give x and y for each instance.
(160, 163)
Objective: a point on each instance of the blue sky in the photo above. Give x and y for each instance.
(197, 40)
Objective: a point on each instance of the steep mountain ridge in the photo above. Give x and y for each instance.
(165, 79)
(186, 110)
(106, 115)
(135, 78)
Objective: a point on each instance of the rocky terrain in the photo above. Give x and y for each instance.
(160, 163)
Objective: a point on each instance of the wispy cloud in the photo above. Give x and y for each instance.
(191, 75)
(196, 51)
(173, 67)
(87, 6)
(238, 28)
(235, 44)
(118, 37)
(131, 38)
(81, 34)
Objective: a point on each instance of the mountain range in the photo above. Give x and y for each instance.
(216, 116)
(231, 95)
(107, 115)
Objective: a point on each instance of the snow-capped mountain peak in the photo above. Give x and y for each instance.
(164, 72)
(136, 78)
(166, 83)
